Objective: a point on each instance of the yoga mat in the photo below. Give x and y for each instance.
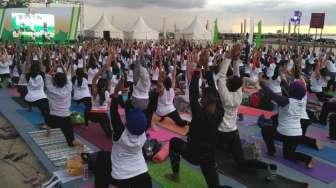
(321, 135)
(321, 171)
(33, 117)
(248, 120)
(170, 125)
(20, 101)
(162, 135)
(13, 92)
(95, 135)
(326, 153)
(250, 90)
(252, 178)
(162, 155)
(189, 178)
(254, 111)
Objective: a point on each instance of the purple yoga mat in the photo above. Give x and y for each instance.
(321, 171)
(162, 135)
(318, 134)
(248, 120)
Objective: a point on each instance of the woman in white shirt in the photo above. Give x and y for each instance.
(59, 94)
(317, 82)
(36, 95)
(165, 104)
(101, 102)
(125, 166)
(81, 91)
(4, 65)
(331, 66)
(92, 70)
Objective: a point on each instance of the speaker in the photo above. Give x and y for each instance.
(106, 35)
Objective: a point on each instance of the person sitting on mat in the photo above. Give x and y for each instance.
(59, 94)
(230, 92)
(125, 166)
(201, 144)
(101, 101)
(165, 103)
(289, 129)
(81, 91)
(35, 87)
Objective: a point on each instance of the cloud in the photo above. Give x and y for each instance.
(177, 4)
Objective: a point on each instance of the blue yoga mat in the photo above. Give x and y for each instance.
(33, 117)
(326, 153)
(36, 118)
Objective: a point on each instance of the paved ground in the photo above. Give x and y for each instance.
(13, 174)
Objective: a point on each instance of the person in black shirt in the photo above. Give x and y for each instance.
(200, 147)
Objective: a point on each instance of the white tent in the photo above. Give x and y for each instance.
(195, 31)
(104, 24)
(141, 31)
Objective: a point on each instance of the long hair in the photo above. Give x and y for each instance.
(79, 77)
(34, 70)
(167, 83)
(102, 86)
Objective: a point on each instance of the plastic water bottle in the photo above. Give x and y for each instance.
(85, 172)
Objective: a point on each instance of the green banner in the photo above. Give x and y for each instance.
(2, 16)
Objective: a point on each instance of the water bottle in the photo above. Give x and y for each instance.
(85, 172)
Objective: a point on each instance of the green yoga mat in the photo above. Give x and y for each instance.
(189, 178)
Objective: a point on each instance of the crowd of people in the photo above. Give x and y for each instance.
(147, 78)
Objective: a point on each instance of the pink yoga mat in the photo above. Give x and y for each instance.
(13, 92)
(162, 135)
(318, 134)
(163, 154)
(254, 111)
(95, 135)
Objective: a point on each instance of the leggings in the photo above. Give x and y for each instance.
(175, 116)
(43, 106)
(232, 140)
(65, 125)
(88, 105)
(103, 120)
(206, 160)
(327, 108)
(290, 143)
(103, 176)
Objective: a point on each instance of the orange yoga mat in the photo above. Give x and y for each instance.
(170, 125)
(254, 111)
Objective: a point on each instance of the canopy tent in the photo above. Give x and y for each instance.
(104, 24)
(195, 31)
(141, 31)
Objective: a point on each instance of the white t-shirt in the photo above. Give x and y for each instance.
(35, 89)
(126, 156)
(184, 65)
(331, 67)
(82, 91)
(316, 85)
(96, 102)
(274, 85)
(129, 76)
(91, 74)
(4, 65)
(156, 74)
(290, 116)
(166, 102)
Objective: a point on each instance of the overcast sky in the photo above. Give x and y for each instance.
(229, 12)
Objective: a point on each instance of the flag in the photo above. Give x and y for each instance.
(215, 38)
(250, 39)
(258, 37)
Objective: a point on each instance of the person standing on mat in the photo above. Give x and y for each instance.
(230, 92)
(165, 103)
(289, 129)
(35, 87)
(81, 91)
(59, 93)
(201, 144)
